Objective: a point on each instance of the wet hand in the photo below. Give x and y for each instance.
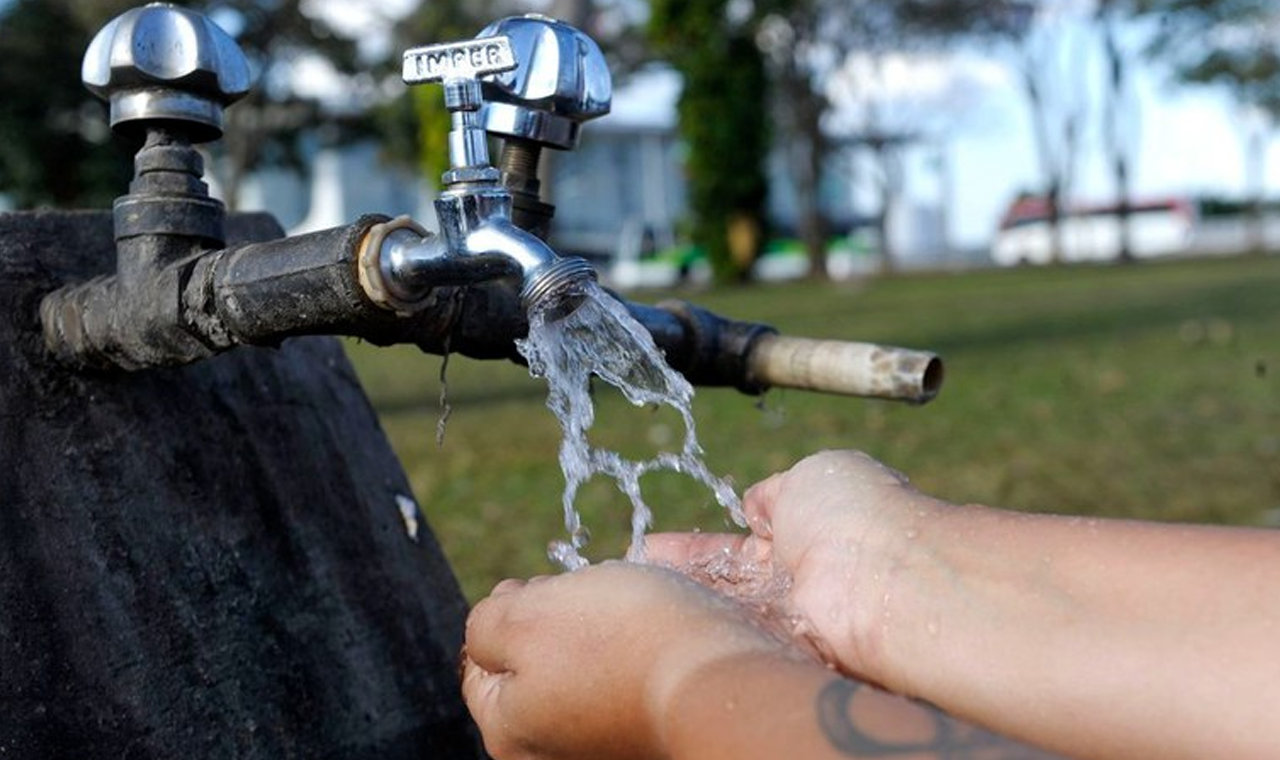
(581, 665)
(824, 542)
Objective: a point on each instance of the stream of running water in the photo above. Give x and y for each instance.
(601, 338)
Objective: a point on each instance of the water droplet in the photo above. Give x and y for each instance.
(446, 409)
(562, 554)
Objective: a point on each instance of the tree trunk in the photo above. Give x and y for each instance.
(888, 159)
(1053, 203)
(1115, 116)
(1256, 173)
(807, 171)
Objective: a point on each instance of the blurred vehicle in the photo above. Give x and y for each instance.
(1093, 233)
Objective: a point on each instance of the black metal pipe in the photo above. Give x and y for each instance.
(706, 348)
(263, 293)
(115, 323)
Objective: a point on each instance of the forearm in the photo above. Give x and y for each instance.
(761, 707)
(1101, 638)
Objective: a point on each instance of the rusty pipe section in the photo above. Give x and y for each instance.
(206, 302)
(203, 302)
(326, 283)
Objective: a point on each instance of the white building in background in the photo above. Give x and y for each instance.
(342, 184)
(620, 196)
(621, 191)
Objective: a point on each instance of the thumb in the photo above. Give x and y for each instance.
(758, 503)
(480, 690)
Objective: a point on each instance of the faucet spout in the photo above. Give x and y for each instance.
(478, 243)
(547, 281)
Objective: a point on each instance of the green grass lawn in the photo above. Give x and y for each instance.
(1150, 390)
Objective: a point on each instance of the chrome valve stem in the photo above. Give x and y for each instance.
(477, 241)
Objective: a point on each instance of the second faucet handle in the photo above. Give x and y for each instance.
(459, 66)
(160, 63)
(562, 81)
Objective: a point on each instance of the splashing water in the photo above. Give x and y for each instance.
(601, 338)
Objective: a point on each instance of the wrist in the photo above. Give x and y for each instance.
(709, 714)
(726, 641)
(883, 567)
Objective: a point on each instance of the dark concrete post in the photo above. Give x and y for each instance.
(207, 561)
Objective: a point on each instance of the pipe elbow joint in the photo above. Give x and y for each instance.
(549, 283)
(114, 323)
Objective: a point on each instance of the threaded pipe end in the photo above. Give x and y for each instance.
(520, 157)
(558, 288)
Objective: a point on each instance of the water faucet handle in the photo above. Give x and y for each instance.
(458, 61)
(161, 63)
(459, 66)
(562, 81)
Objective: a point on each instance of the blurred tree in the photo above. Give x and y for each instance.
(1051, 48)
(269, 125)
(804, 40)
(55, 132)
(880, 113)
(55, 146)
(724, 124)
(414, 123)
(790, 33)
(1234, 44)
(1120, 112)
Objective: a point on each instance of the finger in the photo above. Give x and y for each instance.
(486, 634)
(480, 691)
(758, 503)
(681, 549)
(507, 586)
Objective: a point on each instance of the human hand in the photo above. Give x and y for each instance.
(582, 665)
(821, 555)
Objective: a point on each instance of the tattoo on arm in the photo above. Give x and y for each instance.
(948, 739)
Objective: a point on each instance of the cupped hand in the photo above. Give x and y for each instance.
(580, 665)
(820, 558)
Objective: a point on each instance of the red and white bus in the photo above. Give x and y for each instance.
(1092, 233)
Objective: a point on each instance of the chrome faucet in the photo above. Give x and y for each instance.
(478, 240)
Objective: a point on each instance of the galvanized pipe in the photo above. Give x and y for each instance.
(846, 368)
